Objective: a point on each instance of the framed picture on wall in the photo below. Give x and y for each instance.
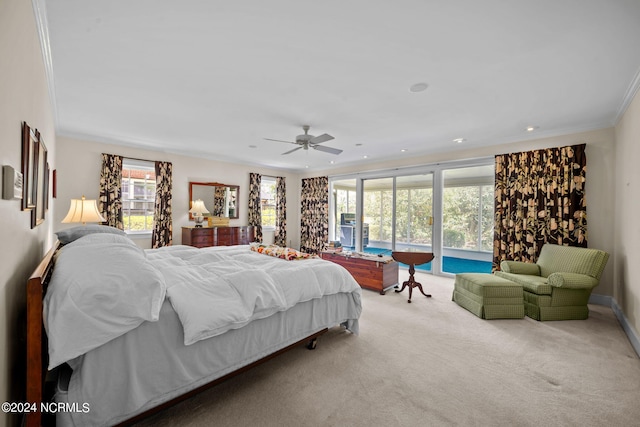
(30, 146)
(41, 183)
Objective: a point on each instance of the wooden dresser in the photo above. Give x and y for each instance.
(201, 237)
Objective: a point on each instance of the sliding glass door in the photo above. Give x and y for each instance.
(444, 209)
(397, 213)
(414, 212)
(377, 208)
(467, 220)
(342, 222)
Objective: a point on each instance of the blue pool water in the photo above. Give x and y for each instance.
(449, 264)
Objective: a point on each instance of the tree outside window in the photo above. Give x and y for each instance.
(268, 201)
(138, 195)
(468, 217)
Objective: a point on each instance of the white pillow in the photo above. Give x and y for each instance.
(70, 234)
(90, 239)
(98, 291)
(105, 238)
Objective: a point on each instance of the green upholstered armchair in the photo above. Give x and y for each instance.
(558, 285)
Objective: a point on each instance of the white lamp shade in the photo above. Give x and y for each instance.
(83, 210)
(198, 208)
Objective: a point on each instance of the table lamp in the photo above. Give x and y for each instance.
(198, 210)
(83, 210)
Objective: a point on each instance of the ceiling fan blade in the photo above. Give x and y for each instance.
(279, 140)
(321, 138)
(291, 151)
(327, 149)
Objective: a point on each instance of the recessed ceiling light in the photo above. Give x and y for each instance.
(404, 150)
(531, 128)
(459, 140)
(332, 161)
(365, 157)
(418, 87)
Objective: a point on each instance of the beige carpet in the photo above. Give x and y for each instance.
(432, 363)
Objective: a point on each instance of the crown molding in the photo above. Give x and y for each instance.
(149, 145)
(628, 97)
(42, 25)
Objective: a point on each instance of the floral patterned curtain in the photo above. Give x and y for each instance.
(539, 198)
(280, 237)
(110, 199)
(314, 214)
(255, 209)
(162, 219)
(219, 198)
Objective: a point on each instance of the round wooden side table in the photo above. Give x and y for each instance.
(412, 259)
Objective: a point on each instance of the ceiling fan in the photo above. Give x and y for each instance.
(305, 141)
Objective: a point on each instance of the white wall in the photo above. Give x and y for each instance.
(626, 172)
(24, 97)
(78, 173)
(599, 187)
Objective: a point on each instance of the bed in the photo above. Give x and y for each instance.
(140, 330)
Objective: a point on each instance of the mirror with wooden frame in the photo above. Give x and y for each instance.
(219, 199)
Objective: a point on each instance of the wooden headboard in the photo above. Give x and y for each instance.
(37, 352)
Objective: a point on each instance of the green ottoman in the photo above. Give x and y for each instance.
(488, 296)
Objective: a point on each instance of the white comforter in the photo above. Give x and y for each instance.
(107, 316)
(104, 286)
(217, 289)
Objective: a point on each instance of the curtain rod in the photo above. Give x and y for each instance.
(136, 158)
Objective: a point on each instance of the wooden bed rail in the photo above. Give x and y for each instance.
(36, 338)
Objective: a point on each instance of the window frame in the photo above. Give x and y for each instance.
(269, 180)
(144, 165)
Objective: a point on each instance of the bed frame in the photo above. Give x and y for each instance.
(37, 349)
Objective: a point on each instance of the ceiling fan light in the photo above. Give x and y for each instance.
(306, 140)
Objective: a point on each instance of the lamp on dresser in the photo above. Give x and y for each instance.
(198, 210)
(83, 210)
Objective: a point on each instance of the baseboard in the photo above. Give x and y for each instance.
(605, 300)
(609, 301)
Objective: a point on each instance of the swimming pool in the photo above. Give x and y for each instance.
(450, 264)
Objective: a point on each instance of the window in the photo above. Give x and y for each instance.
(268, 201)
(344, 202)
(468, 208)
(445, 209)
(138, 195)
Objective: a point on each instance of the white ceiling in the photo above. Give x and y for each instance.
(214, 78)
